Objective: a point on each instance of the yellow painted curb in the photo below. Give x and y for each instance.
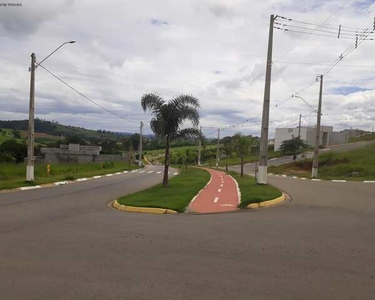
(268, 202)
(148, 210)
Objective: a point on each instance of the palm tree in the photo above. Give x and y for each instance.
(168, 119)
(242, 146)
(227, 149)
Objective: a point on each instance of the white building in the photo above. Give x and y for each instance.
(327, 136)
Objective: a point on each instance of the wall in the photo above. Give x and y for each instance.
(339, 138)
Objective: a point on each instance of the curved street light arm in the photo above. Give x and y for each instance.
(70, 42)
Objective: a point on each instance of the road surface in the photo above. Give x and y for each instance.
(65, 243)
(221, 194)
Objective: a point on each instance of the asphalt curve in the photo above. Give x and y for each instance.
(65, 243)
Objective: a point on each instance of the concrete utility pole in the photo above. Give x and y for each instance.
(30, 131)
(30, 137)
(262, 174)
(140, 145)
(199, 147)
(299, 126)
(314, 172)
(217, 150)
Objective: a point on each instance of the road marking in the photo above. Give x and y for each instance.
(109, 175)
(369, 181)
(99, 176)
(303, 178)
(24, 188)
(295, 177)
(230, 205)
(338, 180)
(149, 172)
(142, 172)
(118, 173)
(273, 158)
(60, 183)
(125, 172)
(158, 172)
(175, 173)
(314, 179)
(81, 179)
(216, 199)
(221, 185)
(283, 175)
(219, 190)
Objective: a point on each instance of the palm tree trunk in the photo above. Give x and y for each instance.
(166, 163)
(241, 165)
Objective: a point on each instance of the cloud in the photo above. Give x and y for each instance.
(215, 50)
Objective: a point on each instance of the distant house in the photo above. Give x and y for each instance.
(308, 134)
(75, 153)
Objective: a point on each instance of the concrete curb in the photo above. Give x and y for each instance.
(318, 180)
(267, 203)
(148, 210)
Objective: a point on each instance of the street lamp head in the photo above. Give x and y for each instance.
(72, 42)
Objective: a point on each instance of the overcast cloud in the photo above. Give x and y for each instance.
(212, 49)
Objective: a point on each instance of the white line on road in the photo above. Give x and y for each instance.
(149, 172)
(60, 183)
(295, 177)
(273, 158)
(221, 185)
(303, 178)
(30, 187)
(219, 190)
(109, 175)
(369, 181)
(81, 179)
(216, 199)
(338, 180)
(314, 179)
(158, 172)
(118, 173)
(230, 205)
(125, 172)
(142, 171)
(99, 176)
(283, 175)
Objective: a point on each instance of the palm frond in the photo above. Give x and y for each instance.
(152, 102)
(186, 100)
(187, 133)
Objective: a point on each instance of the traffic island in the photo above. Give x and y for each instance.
(176, 197)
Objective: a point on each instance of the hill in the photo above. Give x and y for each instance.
(53, 130)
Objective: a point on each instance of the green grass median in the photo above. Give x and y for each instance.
(252, 192)
(182, 188)
(13, 175)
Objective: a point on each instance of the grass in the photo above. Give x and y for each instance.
(13, 175)
(252, 192)
(358, 164)
(365, 137)
(182, 188)
(247, 159)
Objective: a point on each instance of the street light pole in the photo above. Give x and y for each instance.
(262, 174)
(30, 136)
(217, 150)
(200, 146)
(140, 146)
(314, 171)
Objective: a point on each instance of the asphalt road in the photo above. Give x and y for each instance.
(65, 243)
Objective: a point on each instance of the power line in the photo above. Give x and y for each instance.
(84, 96)
(317, 64)
(303, 39)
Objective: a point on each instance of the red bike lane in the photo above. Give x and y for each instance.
(221, 194)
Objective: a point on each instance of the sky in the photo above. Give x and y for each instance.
(215, 50)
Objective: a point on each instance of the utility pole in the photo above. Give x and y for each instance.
(140, 146)
(314, 171)
(217, 150)
(262, 174)
(30, 134)
(200, 146)
(299, 127)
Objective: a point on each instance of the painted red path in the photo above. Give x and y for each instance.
(220, 194)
